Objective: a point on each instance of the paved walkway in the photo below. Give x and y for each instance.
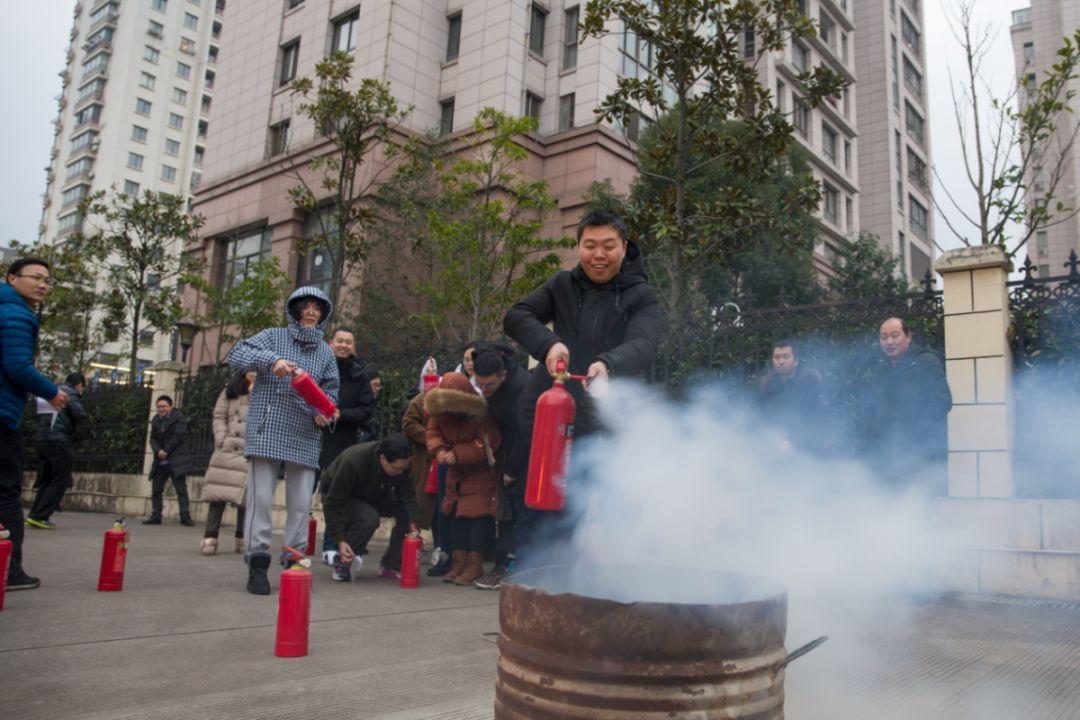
(184, 640)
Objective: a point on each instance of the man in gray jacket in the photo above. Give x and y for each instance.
(56, 453)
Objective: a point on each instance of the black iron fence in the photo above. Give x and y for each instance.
(1045, 337)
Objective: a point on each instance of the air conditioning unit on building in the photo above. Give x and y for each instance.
(90, 175)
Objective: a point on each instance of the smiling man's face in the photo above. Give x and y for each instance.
(601, 252)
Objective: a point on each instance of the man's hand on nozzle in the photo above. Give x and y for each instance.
(346, 552)
(557, 352)
(60, 400)
(282, 367)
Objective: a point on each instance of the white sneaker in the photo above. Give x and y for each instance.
(328, 557)
(436, 555)
(357, 565)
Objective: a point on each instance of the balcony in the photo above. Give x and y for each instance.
(98, 46)
(1021, 17)
(94, 72)
(109, 20)
(94, 124)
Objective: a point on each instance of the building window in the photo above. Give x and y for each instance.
(156, 29)
(168, 172)
(827, 31)
(176, 121)
(191, 21)
(143, 107)
(780, 93)
(453, 37)
(446, 116)
(70, 222)
(570, 35)
(86, 139)
(316, 265)
(1029, 53)
(200, 153)
(532, 106)
(918, 221)
(895, 73)
(89, 114)
(901, 250)
(82, 166)
(183, 70)
(212, 54)
(196, 180)
(135, 161)
(73, 195)
(849, 214)
(912, 79)
(139, 134)
(187, 46)
(537, 18)
(566, 112)
(205, 102)
(748, 49)
(916, 170)
(830, 203)
(290, 53)
(179, 96)
(150, 55)
(159, 5)
(800, 57)
(844, 47)
(172, 147)
(131, 188)
(847, 157)
(295, 3)
(242, 252)
(801, 116)
(278, 141)
(910, 35)
(829, 142)
(208, 80)
(915, 125)
(899, 174)
(204, 128)
(146, 80)
(632, 126)
(345, 32)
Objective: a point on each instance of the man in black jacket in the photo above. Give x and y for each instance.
(905, 411)
(605, 319)
(369, 481)
(355, 401)
(792, 401)
(56, 452)
(172, 458)
(502, 382)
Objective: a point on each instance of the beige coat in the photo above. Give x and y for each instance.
(228, 469)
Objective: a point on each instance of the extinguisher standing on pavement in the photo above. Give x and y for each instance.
(410, 560)
(6, 548)
(113, 558)
(312, 530)
(553, 434)
(294, 607)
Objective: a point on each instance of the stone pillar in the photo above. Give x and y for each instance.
(165, 376)
(978, 362)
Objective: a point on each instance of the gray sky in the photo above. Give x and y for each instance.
(35, 38)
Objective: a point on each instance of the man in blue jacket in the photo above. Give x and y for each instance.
(28, 282)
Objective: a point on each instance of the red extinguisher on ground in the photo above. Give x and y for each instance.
(312, 394)
(113, 558)
(312, 529)
(6, 548)
(410, 560)
(294, 607)
(552, 436)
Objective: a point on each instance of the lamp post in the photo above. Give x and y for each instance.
(187, 332)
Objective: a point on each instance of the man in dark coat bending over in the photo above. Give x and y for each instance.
(605, 320)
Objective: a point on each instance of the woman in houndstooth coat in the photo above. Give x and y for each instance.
(281, 427)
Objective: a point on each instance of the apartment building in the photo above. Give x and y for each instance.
(894, 131)
(1038, 32)
(133, 114)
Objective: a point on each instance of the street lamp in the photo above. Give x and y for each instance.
(187, 332)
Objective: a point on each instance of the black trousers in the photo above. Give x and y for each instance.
(509, 535)
(214, 512)
(53, 479)
(473, 534)
(163, 473)
(11, 515)
(362, 520)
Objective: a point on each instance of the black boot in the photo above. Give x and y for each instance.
(258, 583)
(186, 520)
(152, 520)
(440, 568)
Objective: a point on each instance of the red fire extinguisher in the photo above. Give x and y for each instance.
(6, 547)
(553, 434)
(294, 607)
(312, 394)
(312, 529)
(410, 560)
(113, 558)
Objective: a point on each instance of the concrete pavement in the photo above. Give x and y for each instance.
(184, 640)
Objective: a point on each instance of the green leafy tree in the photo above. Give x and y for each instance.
(1016, 148)
(355, 123)
(141, 239)
(245, 306)
(483, 233)
(699, 75)
(866, 270)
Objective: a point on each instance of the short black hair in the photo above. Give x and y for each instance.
(295, 305)
(75, 378)
(395, 447)
(15, 267)
(166, 398)
(373, 375)
(786, 343)
(601, 218)
(340, 329)
(486, 361)
(238, 385)
(903, 323)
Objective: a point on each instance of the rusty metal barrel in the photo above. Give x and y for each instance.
(603, 643)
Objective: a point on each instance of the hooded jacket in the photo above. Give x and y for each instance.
(280, 425)
(226, 475)
(357, 406)
(616, 323)
(18, 340)
(414, 425)
(458, 421)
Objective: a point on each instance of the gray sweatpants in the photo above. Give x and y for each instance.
(262, 478)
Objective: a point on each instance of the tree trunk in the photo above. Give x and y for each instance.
(133, 362)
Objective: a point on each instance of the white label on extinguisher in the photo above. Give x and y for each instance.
(121, 556)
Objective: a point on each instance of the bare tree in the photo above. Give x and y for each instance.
(1015, 147)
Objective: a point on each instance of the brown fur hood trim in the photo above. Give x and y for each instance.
(454, 395)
